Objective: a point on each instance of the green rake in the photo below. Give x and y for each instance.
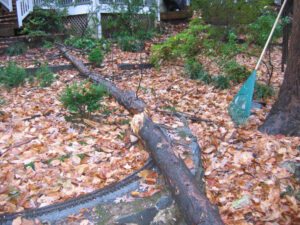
(239, 109)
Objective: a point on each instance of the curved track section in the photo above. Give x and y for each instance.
(60, 210)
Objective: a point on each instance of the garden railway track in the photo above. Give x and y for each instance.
(57, 211)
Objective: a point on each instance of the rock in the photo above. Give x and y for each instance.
(168, 216)
(165, 216)
(163, 202)
(140, 218)
(133, 139)
(290, 166)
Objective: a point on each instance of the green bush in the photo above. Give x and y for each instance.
(236, 72)
(221, 82)
(96, 56)
(130, 44)
(42, 22)
(145, 35)
(45, 76)
(230, 13)
(2, 102)
(88, 43)
(48, 44)
(186, 44)
(16, 49)
(263, 91)
(12, 76)
(195, 71)
(229, 48)
(83, 97)
(129, 20)
(260, 29)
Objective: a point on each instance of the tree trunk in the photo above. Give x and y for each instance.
(286, 33)
(284, 117)
(192, 202)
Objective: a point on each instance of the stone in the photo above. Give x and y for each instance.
(164, 202)
(140, 218)
(133, 139)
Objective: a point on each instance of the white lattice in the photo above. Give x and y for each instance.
(78, 24)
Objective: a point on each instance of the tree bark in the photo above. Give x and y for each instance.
(284, 117)
(193, 204)
(286, 33)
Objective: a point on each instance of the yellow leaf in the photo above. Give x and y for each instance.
(17, 221)
(143, 174)
(81, 168)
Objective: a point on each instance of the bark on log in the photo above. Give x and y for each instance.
(126, 98)
(193, 204)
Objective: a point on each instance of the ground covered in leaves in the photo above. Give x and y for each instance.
(47, 159)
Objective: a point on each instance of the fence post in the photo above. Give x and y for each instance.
(99, 27)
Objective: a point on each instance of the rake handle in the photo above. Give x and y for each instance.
(271, 34)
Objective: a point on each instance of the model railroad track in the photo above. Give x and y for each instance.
(72, 203)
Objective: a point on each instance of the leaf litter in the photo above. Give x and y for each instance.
(243, 168)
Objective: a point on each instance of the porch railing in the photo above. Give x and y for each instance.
(24, 7)
(8, 4)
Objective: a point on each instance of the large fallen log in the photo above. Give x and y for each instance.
(192, 202)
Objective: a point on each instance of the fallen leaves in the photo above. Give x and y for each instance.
(243, 168)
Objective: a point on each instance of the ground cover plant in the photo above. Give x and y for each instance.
(12, 76)
(83, 98)
(45, 77)
(247, 173)
(16, 49)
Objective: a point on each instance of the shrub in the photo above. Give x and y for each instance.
(45, 76)
(16, 49)
(2, 102)
(83, 97)
(221, 82)
(96, 56)
(230, 13)
(260, 29)
(42, 22)
(263, 91)
(48, 44)
(130, 44)
(186, 44)
(195, 71)
(88, 43)
(236, 72)
(129, 20)
(145, 35)
(12, 76)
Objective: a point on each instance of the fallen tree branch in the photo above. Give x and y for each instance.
(194, 205)
(17, 144)
(126, 98)
(192, 118)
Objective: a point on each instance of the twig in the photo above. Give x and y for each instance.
(272, 67)
(71, 48)
(192, 118)
(36, 116)
(17, 144)
(189, 92)
(141, 69)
